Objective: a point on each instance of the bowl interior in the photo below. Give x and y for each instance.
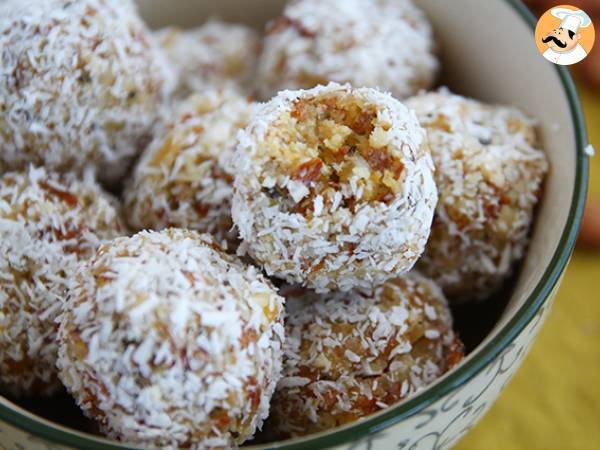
(480, 59)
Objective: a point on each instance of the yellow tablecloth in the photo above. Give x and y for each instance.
(554, 400)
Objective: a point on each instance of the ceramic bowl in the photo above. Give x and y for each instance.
(488, 52)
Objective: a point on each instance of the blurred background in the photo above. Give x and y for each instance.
(554, 400)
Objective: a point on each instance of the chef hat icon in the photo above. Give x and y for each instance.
(572, 20)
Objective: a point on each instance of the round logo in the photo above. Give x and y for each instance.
(565, 35)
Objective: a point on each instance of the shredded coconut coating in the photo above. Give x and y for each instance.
(168, 342)
(80, 84)
(489, 173)
(185, 177)
(214, 55)
(334, 187)
(48, 224)
(386, 44)
(351, 354)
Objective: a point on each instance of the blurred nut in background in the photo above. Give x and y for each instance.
(589, 236)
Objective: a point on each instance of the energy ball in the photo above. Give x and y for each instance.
(386, 44)
(489, 173)
(347, 355)
(214, 55)
(48, 225)
(80, 84)
(334, 187)
(184, 178)
(170, 343)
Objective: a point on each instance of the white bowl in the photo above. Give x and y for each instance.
(480, 59)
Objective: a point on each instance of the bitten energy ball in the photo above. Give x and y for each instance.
(80, 84)
(348, 355)
(384, 44)
(214, 55)
(48, 224)
(170, 343)
(489, 173)
(185, 178)
(334, 187)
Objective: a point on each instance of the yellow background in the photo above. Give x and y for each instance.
(548, 23)
(554, 400)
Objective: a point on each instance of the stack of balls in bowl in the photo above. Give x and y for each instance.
(287, 263)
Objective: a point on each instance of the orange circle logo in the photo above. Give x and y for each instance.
(565, 35)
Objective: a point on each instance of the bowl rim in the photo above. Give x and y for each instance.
(59, 434)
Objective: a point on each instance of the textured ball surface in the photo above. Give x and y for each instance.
(489, 172)
(80, 84)
(334, 187)
(351, 354)
(48, 225)
(168, 342)
(386, 44)
(214, 55)
(185, 177)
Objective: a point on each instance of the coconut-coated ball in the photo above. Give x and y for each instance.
(168, 342)
(185, 176)
(212, 56)
(385, 44)
(48, 225)
(348, 355)
(80, 85)
(490, 171)
(334, 187)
